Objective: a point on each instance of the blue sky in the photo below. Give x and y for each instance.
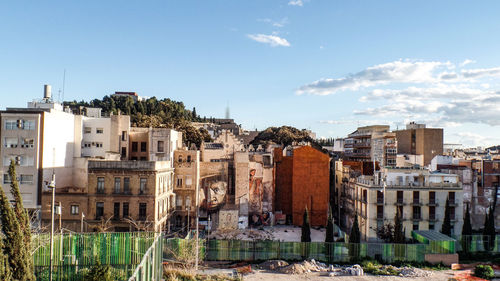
(317, 64)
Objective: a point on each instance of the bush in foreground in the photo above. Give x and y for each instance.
(484, 271)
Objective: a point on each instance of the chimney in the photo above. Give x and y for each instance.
(47, 95)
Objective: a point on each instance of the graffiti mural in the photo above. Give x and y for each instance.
(214, 191)
(259, 189)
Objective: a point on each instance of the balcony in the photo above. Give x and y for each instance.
(416, 202)
(416, 217)
(380, 200)
(380, 216)
(432, 217)
(452, 202)
(433, 202)
(362, 144)
(400, 202)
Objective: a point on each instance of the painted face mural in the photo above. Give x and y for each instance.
(214, 193)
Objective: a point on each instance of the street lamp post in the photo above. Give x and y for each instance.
(52, 185)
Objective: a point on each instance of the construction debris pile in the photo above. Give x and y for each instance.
(336, 270)
(242, 234)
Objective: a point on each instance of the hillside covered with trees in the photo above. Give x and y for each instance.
(152, 112)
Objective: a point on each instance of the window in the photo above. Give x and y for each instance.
(431, 226)
(6, 179)
(188, 201)
(179, 201)
(432, 213)
(26, 179)
(117, 185)
(432, 197)
(100, 185)
(380, 212)
(125, 209)
(26, 160)
(87, 130)
(126, 185)
(189, 181)
(142, 185)
(124, 152)
(451, 197)
(124, 135)
(143, 158)
(28, 143)
(180, 159)
(10, 125)
(99, 210)
(98, 144)
(380, 197)
(116, 210)
(400, 197)
(75, 209)
(415, 225)
(142, 211)
(452, 213)
(416, 197)
(99, 130)
(416, 212)
(10, 142)
(143, 146)
(160, 146)
(188, 158)
(134, 146)
(179, 181)
(87, 144)
(29, 125)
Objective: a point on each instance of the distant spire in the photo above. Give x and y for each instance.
(227, 111)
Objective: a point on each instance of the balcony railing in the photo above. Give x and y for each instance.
(432, 217)
(452, 202)
(416, 216)
(400, 201)
(433, 202)
(380, 200)
(416, 201)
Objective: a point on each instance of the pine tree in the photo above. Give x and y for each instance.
(446, 227)
(23, 219)
(306, 228)
(329, 226)
(355, 235)
(15, 248)
(399, 235)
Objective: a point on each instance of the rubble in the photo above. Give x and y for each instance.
(413, 272)
(273, 264)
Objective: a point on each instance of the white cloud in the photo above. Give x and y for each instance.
(299, 3)
(280, 23)
(481, 72)
(466, 62)
(474, 140)
(272, 40)
(392, 72)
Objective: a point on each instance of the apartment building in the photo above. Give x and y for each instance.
(130, 195)
(186, 185)
(371, 143)
(419, 195)
(419, 140)
(41, 141)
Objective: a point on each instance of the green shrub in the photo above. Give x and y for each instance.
(484, 271)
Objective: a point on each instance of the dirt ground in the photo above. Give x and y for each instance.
(264, 275)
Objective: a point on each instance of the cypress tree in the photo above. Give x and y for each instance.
(355, 235)
(15, 248)
(194, 116)
(489, 229)
(329, 226)
(446, 227)
(4, 262)
(306, 228)
(398, 236)
(23, 219)
(466, 230)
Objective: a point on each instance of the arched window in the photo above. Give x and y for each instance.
(188, 158)
(180, 159)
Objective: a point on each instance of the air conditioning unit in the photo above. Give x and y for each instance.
(19, 123)
(18, 160)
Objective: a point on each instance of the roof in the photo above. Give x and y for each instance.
(432, 235)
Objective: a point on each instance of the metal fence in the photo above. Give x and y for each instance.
(236, 250)
(151, 266)
(76, 254)
(479, 243)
